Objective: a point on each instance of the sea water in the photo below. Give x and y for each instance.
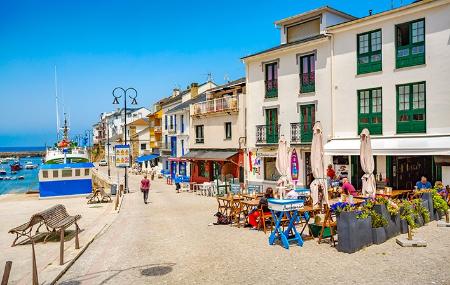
(31, 181)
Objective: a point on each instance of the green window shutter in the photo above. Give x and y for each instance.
(307, 73)
(271, 80)
(307, 120)
(410, 43)
(411, 108)
(369, 58)
(271, 125)
(370, 111)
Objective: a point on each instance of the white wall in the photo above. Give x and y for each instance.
(435, 72)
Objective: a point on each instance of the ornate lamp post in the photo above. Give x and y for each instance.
(118, 93)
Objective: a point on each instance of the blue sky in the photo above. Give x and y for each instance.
(152, 46)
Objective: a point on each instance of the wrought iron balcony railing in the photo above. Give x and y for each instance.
(267, 134)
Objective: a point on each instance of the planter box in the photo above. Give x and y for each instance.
(353, 233)
(419, 221)
(403, 226)
(393, 226)
(425, 205)
(428, 197)
(378, 235)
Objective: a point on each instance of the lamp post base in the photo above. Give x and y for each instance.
(414, 242)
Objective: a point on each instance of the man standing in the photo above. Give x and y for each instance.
(423, 183)
(145, 187)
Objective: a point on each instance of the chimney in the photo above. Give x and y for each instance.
(175, 92)
(194, 90)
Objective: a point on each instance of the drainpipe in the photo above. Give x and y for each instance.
(331, 84)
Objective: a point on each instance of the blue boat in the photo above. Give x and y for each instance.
(65, 179)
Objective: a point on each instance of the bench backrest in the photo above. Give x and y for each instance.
(53, 215)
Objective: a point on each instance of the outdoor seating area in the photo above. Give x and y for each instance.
(99, 196)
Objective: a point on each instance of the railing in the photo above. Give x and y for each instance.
(271, 88)
(301, 132)
(267, 134)
(199, 140)
(224, 104)
(410, 55)
(295, 133)
(157, 129)
(307, 82)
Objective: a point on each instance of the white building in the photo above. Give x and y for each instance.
(172, 124)
(288, 90)
(391, 75)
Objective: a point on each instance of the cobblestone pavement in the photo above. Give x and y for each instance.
(169, 241)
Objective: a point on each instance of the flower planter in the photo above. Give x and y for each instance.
(428, 197)
(393, 226)
(438, 215)
(425, 205)
(353, 233)
(403, 226)
(378, 235)
(419, 221)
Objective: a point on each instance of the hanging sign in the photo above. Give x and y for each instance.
(122, 155)
(294, 165)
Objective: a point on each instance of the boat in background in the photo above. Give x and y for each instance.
(2, 171)
(30, 165)
(16, 166)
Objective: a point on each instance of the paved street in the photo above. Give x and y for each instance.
(169, 242)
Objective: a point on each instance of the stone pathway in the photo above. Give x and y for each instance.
(169, 241)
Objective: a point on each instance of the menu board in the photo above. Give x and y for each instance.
(122, 155)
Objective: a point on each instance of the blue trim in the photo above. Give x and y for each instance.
(68, 165)
(122, 146)
(147, 157)
(284, 202)
(65, 187)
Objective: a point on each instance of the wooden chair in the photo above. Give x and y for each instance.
(222, 206)
(263, 219)
(235, 210)
(328, 222)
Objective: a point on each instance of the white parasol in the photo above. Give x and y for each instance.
(282, 165)
(367, 164)
(317, 167)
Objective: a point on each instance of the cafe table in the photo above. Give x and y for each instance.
(285, 208)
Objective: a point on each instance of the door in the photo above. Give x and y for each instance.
(173, 146)
(308, 170)
(407, 170)
(272, 126)
(307, 120)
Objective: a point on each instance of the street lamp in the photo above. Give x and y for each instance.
(118, 92)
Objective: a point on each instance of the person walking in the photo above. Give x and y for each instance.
(145, 187)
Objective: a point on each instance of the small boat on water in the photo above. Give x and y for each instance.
(13, 172)
(16, 166)
(21, 177)
(2, 171)
(3, 161)
(30, 165)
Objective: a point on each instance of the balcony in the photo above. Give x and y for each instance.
(215, 106)
(271, 88)
(410, 55)
(157, 129)
(267, 134)
(199, 140)
(172, 130)
(301, 133)
(307, 82)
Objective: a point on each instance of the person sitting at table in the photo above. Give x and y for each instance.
(441, 190)
(423, 183)
(347, 187)
(264, 205)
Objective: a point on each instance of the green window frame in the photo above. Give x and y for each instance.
(370, 110)
(307, 73)
(271, 80)
(410, 43)
(307, 120)
(369, 57)
(411, 108)
(272, 127)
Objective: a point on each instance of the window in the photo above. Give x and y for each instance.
(271, 80)
(165, 122)
(77, 172)
(171, 123)
(202, 169)
(182, 123)
(270, 169)
(410, 44)
(143, 146)
(199, 134)
(66, 173)
(307, 73)
(166, 141)
(167, 165)
(45, 174)
(307, 120)
(175, 122)
(411, 108)
(272, 126)
(55, 173)
(228, 130)
(86, 172)
(182, 147)
(370, 111)
(369, 52)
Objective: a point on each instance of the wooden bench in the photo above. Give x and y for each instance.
(54, 218)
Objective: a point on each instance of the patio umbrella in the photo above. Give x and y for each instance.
(317, 167)
(367, 164)
(144, 167)
(282, 163)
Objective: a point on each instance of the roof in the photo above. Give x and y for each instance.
(171, 99)
(229, 84)
(142, 121)
(147, 157)
(68, 165)
(311, 13)
(209, 155)
(310, 39)
(377, 15)
(201, 97)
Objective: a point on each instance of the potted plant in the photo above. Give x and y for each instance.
(378, 228)
(388, 210)
(420, 208)
(354, 229)
(440, 206)
(427, 196)
(407, 218)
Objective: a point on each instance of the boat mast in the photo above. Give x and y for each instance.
(57, 109)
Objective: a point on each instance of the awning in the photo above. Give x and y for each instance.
(147, 157)
(438, 145)
(209, 155)
(177, 159)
